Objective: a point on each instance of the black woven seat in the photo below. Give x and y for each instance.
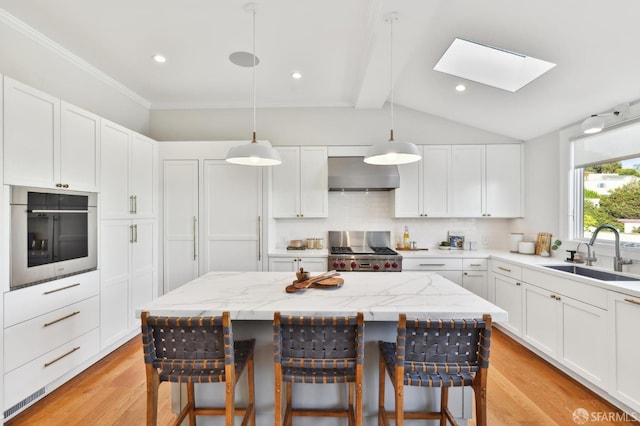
(440, 354)
(196, 350)
(317, 350)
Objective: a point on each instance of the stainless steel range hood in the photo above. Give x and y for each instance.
(353, 174)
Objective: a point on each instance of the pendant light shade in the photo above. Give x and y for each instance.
(253, 154)
(392, 152)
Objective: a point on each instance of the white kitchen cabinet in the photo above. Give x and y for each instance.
(486, 180)
(505, 291)
(624, 317)
(128, 259)
(180, 222)
(542, 319)
(127, 173)
(425, 185)
(293, 264)
(232, 222)
(48, 143)
(299, 186)
(474, 276)
(449, 268)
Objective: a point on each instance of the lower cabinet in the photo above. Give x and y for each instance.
(506, 292)
(624, 318)
(474, 276)
(292, 264)
(50, 329)
(451, 269)
(127, 262)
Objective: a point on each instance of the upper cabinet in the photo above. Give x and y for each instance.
(299, 186)
(48, 143)
(486, 180)
(424, 185)
(127, 172)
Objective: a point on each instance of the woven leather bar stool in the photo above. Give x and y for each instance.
(318, 350)
(436, 353)
(196, 350)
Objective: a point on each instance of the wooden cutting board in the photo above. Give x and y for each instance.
(301, 285)
(333, 282)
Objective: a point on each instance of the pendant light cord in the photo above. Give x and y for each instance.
(254, 75)
(391, 19)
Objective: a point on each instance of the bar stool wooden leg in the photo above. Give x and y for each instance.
(399, 401)
(278, 396)
(153, 382)
(351, 414)
(288, 415)
(444, 404)
(252, 391)
(480, 393)
(191, 402)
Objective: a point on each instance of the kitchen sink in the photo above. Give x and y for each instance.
(591, 273)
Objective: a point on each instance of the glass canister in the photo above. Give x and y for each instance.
(319, 243)
(514, 239)
(310, 243)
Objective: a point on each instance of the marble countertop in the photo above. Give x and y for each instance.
(380, 296)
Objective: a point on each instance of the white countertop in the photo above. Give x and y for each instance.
(380, 296)
(299, 253)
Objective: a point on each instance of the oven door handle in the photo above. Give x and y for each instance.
(57, 211)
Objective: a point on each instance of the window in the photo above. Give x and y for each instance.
(610, 195)
(607, 184)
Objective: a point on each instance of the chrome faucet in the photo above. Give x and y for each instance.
(617, 260)
(589, 259)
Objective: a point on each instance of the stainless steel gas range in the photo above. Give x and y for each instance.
(359, 251)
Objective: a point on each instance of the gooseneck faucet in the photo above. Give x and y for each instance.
(617, 260)
(589, 259)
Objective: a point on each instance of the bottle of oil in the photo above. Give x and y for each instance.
(405, 238)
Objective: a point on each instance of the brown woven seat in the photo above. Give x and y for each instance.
(196, 350)
(438, 353)
(318, 350)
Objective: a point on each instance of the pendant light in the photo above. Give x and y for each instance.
(253, 154)
(392, 152)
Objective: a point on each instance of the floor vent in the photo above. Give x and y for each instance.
(37, 394)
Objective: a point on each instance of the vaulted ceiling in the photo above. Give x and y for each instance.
(341, 47)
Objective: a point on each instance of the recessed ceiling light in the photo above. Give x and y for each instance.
(244, 59)
(461, 88)
(490, 65)
(159, 59)
(297, 75)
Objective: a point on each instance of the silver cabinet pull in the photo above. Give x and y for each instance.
(135, 204)
(135, 233)
(432, 264)
(504, 269)
(259, 238)
(635, 302)
(131, 204)
(61, 288)
(466, 274)
(47, 324)
(57, 211)
(46, 364)
(475, 264)
(195, 234)
(131, 234)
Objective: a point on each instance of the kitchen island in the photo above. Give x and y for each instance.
(253, 297)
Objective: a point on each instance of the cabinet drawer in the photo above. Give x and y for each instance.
(24, 381)
(431, 264)
(582, 292)
(26, 303)
(507, 269)
(30, 339)
(474, 264)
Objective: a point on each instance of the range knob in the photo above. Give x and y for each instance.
(342, 264)
(387, 265)
(335, 264)
(376, 267)
(353, 265)
(394, 265)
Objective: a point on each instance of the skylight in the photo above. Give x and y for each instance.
(491, 65)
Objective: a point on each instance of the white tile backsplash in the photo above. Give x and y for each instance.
(372, 211)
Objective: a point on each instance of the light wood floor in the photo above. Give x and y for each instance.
(522, 389)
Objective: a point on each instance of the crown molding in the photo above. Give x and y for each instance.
(56, 48)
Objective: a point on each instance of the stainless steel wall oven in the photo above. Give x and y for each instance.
(53, 234)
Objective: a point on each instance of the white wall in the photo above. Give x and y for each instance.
(30, 58)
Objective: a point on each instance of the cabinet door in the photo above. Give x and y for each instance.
(313, 264)
(31, 136)
(180, 199)
(408, 198)
(584, 328)
(79, 148)
(541, 312)
(436, 164)
(141, 172)
(507, 294)
(475, 282)
(624, 317)
(285, 184)
(115, 202)
(115, 241)
(504, 181)
(232, 217)
(467, 180)
(283, 264)
(143, 266)
(314, 190)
